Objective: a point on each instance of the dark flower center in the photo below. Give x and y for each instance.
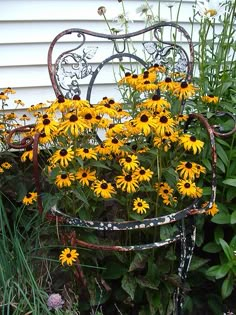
(127, 74)
(45, 116)
(167, 134)
(147, 82)
(98, 117)
(29, 195)
(186, 185)
(184, 85)
(104, 185)
(111, 102)
(114, 141)
(168, 80)
(68, 255)
(139, 204)
(188, 165)
(76, 98)
(211, 95)
(46, 122)
(73, 118)
(88, 116)
(144, 118)
(61, 99)
(128, 159)
(63, 152)
(156, 97)
(104, 98)
(84, 174)
(107, 105)
(165, 191)
(193, 139)
(63, 176)
(128, 178)
(134, 76)
(142, 172)
(164, 119)
(86, 150)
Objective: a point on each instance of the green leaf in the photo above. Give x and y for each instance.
(114, 270)
(227, 287)
(222, 154)
(222, 271)
(143, 282)
(221, 218)
(227, 250)
(218, 233)
(129, 285)
(230, 182)
(212, 248)
(138, 262)
(212, 271)
(220, 165)
(78, 192)
(197, 262)
(233, 217)
(99, 165)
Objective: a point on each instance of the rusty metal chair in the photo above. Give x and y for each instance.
(72, 67)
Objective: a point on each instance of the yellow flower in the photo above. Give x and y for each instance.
(166, 85)
(211, 211)
(184, 90)
(85, 176)
(74, 124)
(103, 188)
(140, 206)
(143, 174)
(28, 154)
(187, 188)
(19, 102)
(164, 124)
(127, 182)
(129, 163)
(6, 165)
(64, 180)
(190, 142)
(68, 256)
(210, 99)
(63, 156)
(46, 124)
(9, 90)
(30, 198)
(145, 123)
(1, 170)
(188, 170)
(86, 153)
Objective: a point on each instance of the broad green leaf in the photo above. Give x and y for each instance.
(212, 271)
(114, 270)
(220, 165)
(222, 271)
(233, 217)
(129, 285)
(230, 182)
(138, 262)
(81, 195)
(227, 287)
(212, 248)
(143, 282)
(218, 233)
(222, 154)
(227, 250)
(221, 218)
(197, 262)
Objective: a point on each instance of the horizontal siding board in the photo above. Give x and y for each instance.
(80, 10)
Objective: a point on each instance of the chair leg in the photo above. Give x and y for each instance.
(188, 230)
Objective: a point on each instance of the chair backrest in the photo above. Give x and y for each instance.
(75, 70)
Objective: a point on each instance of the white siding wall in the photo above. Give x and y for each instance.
(28, 26)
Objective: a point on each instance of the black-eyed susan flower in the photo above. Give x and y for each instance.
(155, 104)
(188, 170)
(114, 129)
(30, 198)
(191, 143)
(62, 156)
(129, 162)
(10, 116)
(64, 180)
(187, 188)
(68, 256)
(146, 86)
(9, 91)
(28, 154)
(164, 123)
(164, 190)
(73, 124)
(184, 90)
(85, 176)
(127, 182)
(167, 85)
(147, 75)
(145, 122)
(211, 211)
(210, 98)
(140, 206)
(43, 139)
(142, 174)
(114, 144)
(19, 102)
(24, 117)
(3, 96)
(126, 79)
(102, 149)
(1, 170)
(200, 169)
(47, 125)
(103, 188)
(6, 165)
(157, 68)
(86, 153)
